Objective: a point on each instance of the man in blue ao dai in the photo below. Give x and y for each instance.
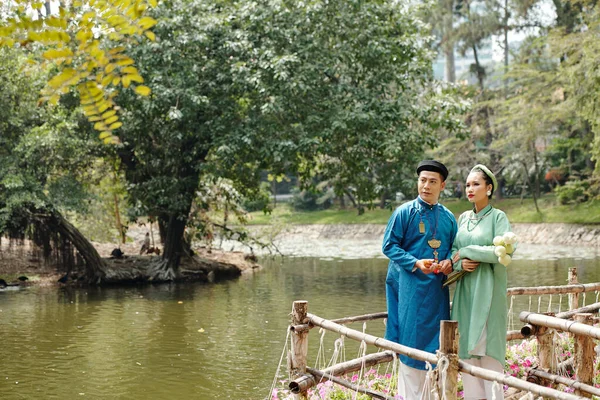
(417, 240)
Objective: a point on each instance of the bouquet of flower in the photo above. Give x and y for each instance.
(504, 246)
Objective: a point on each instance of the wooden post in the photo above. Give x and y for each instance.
(573, 297)
(448, 375)
(299, 350)
(546, 356)
(584, 354)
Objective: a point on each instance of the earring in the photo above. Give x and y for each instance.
(489, 193)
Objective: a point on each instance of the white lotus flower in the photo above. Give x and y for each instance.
(505, 260)
(509, 248)
(498, 241)
(510, 238)
(500, 251)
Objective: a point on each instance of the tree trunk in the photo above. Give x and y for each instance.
(479, 72)
(163, 222)
(352, 200)
(536, 168)
(95, 268)
(528, 181)
(118, 219)
(342, 201)
(382, 200)
(167, 267)
(498, 191)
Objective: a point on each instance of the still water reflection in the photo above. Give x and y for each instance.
(194, 341)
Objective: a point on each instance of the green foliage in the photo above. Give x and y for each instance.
(68, 194)
(82, 43)
(578, 49)
(45, 154)
(259, 201)
(311, 199)
(573, 192)
(328, 89)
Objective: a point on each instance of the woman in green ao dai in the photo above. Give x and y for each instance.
(479, 304)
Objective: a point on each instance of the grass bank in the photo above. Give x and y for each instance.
(518, 212)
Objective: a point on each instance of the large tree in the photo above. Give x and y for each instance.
(338, 89)
(44, 155)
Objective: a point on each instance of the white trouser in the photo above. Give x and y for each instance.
(475, 388)
(411, 382)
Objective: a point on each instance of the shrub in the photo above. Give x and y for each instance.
(261, 201)
(311, 200)
(573, 192)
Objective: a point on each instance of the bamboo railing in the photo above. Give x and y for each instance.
(305, 378)
(538, 379)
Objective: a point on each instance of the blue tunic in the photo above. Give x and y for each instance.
(416, 302)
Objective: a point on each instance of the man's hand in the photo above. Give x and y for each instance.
(425, 266)
(469, 265)
(445, 267)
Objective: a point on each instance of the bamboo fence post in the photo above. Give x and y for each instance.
(299, 350)
(448, 376)
(546, 356)
(573, 297)
(584, 354)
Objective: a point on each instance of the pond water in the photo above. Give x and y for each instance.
(220, 341)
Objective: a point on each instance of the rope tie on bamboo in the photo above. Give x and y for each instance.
(443, 364)
(321, 352)
(362, 349)
(394, 373)
(429, 386)
(336, 351)
(285, 350)
(560, 297)
(362, 352)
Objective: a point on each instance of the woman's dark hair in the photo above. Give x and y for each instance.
(488, 180)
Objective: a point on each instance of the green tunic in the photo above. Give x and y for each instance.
(480, 298)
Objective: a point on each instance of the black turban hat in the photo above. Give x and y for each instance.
(432, 165)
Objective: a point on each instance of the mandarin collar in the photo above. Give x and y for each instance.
(483, 211)
(426, 205)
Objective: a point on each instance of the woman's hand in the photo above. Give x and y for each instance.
(469, 265)
(456, 257)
